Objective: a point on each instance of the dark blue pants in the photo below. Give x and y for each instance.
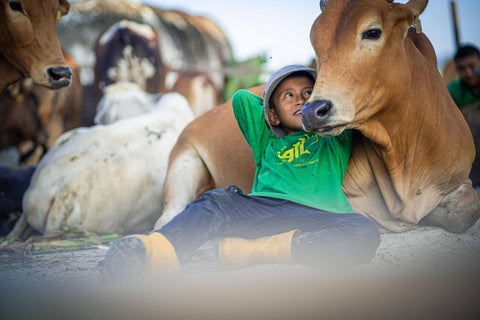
(327, 239)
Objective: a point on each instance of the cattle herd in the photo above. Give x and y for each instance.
(121, 59)
(107, 124)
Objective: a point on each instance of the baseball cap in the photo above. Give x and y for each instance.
(272, 84)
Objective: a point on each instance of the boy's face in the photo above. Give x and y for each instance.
(287, 102)
(468, 69)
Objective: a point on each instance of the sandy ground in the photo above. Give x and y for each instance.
(423, 273)
(423, 248)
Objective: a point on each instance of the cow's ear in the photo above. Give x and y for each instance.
(64, 7)
(416, 6)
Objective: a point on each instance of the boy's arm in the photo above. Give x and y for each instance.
(248, 111)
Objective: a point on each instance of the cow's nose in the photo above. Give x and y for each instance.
(60, 76)
(317, 109)
(315, 113)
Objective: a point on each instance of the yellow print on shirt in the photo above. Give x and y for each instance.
(298, 148)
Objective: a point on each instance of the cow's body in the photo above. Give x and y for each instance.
(412, 159)
(28, 43)
(107, 177)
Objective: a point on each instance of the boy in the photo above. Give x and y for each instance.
(297, 211)
(465, 89)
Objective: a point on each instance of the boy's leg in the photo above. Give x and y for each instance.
(325, 238)
(216, 213)
(349, 239)
(328, 238)
(150, 253)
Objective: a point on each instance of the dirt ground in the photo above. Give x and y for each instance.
(423, 273)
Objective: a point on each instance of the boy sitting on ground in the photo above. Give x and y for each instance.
(297, 211)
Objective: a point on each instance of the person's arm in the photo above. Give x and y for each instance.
(248, 111)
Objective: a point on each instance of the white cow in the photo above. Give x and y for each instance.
(106, 177)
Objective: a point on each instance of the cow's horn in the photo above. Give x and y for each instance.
(417, 6)
(322, 4)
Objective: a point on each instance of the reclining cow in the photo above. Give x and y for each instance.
(28, 43)
(105, 177)
(413, 150)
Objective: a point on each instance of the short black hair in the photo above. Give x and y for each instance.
(466, 51)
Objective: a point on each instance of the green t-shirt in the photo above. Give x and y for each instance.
(302, 167)
(461, 94)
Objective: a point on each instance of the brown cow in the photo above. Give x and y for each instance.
(381, 78)
(28, 43)
(410, 163)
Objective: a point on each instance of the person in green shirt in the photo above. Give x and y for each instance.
(465, 89)
(297, 211)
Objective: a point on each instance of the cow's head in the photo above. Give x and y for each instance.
(28, 42)
(361, 59)
(128, 52)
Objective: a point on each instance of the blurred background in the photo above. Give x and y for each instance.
(279, 30)
(266, 35)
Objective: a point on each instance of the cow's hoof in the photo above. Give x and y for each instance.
(457, 212)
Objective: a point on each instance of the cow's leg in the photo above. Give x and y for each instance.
(21, 230)
(187, 178)
(457, 212)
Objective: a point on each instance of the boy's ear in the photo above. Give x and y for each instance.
(272, 117)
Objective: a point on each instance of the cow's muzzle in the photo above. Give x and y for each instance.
(59, 77)
(315, 114)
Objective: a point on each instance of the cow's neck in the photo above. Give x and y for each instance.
(411, 132)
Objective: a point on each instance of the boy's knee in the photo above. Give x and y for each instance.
(220, 195)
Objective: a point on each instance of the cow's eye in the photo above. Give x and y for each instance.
(372, 34)
(15, 5)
